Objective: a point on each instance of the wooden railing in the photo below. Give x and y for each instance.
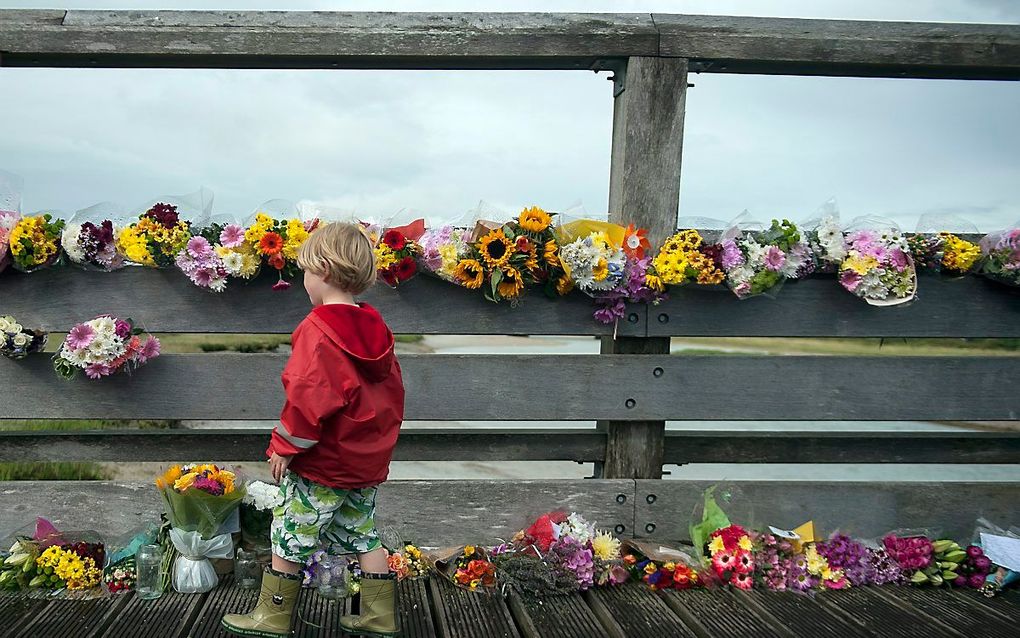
(633, 387)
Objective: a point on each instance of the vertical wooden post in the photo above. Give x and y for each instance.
(644, 189)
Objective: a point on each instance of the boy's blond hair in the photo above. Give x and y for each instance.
(343, 254)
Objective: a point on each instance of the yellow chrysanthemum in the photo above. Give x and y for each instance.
(716, 545)
(650, 568)
(959, 255)
(605, 546)
(469, 550)
(860, 264)
(601, 269)
(132, 244)
(384, 257)
(448, 255)
(534, 219)
(745, 543)
(654, 282)
(250, 265)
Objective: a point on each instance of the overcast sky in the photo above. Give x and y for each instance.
(439, 142)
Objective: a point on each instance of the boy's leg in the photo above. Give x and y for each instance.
(307, 509)
(353, 531)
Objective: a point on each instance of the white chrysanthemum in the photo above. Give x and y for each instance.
(755, 253)
(75, 357)
(233, 262)
(218, 284)
(104, 326)
(69, 241)
(740, 274)
(577, 528)
(263, 496)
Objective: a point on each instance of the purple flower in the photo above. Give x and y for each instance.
(974, 551)
(774, 259)
(611, 312)
(232, 236)
(982, 563)
(731, 255)
(850, 280)
(976, 581)
(123, 329)
(898, 258)
(149, 351)
(960, 581)
(98, 370)
(199, 248)
(80, 336)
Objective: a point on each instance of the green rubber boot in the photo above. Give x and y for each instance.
(378, 616)
(272, 615)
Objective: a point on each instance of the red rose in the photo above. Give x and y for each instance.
(406, 269)
(394, 239)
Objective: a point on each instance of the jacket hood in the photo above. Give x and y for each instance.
(360, 332)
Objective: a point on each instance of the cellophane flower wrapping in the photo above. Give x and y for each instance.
(939, 245)
(66, 564)
(120, 574)
(10, 212)
(824, 236)
(17, 341)
(103, 346)
(89, 238)
(1000, 253)
(660, 566)
(758, 260)
(161, 228)
(1001, 549)
(35, 241)
(878, 267)
(198, 500)
(442, 249)
(467, 566)
(275, 233)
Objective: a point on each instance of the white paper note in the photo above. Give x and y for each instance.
(1002, 550)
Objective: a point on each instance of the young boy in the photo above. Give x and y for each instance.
(332, 447)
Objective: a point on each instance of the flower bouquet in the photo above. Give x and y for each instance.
(396, 253)
(53, 560)
(104, 346)
(18, 343)
(635, 285)
(924, 561)
(878, 267)
(592, 256)
(468, 567)
(758, 261)
(10, 213)
(217, 252)
(256, 516)
(277, 242)
(35, 242)
(442, 249)
(683, 258)
(826, 242)
(407, 563)
(92, 245)
(1001, 256)
(502, 260)
(156, 238)
(198, 500)
(660, 567)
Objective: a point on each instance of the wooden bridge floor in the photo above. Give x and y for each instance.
(434, 608)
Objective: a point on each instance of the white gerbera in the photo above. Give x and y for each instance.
(233, 262)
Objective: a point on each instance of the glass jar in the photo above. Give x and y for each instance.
(148, 566)
(247, 571)
(332, 577)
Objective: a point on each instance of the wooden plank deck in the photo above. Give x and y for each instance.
(435, 608)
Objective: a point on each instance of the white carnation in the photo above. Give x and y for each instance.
(233, 262)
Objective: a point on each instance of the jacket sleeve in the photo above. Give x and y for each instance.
(312, 399)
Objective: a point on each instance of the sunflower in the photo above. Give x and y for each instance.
(469, 273)
(654, 282)
(534, 219)
(271, 243)
(511, 285)
(564, 284)
(496, 249)
(551, 253)
(601, 270)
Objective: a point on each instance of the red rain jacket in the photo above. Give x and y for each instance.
(345, 398)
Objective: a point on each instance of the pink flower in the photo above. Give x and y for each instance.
(898, 259)
(199, 248)
(742, 581)
(80, 336)
(202, 277)
(232, 236)
(123, 329)
(774, 258)
(281, 285)
(743, 289)
(98, 370)
(850, 280)
(731, 255)
(149, 351)
(976, 581)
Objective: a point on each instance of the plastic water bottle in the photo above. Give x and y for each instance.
(148, 563)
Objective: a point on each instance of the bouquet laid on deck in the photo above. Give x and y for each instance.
(156, 238)
(54, 560)
(758, 261)
(277, 242)
(396, 253)
(1001, 252)
(468, 566)
(198, 500)
(35, 242)
(660, 567)
(407, 563)
(103, 346)
(16, 342)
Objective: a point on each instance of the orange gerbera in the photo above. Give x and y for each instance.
(271, 243)
(470, 273)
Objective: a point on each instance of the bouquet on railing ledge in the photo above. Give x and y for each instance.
(1001, 252)
(879, 267)
(199, 500)
(35, 242)
(442, 249)
(397, 251)
(16, 342)
(93, 245)
(8, 220)
(217, 253)
(156, 238)
(757, 262)
(104, 346)
(277, 242)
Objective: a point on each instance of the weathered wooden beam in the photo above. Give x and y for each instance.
(430, 513)
(665, 509)
(723, 44)
(819, 307)
(644, 189)
(583, 445)
(791, 46)
(319, 39)
(551, 387)
(165, 301)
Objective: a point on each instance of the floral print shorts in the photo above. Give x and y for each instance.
(314, 516)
